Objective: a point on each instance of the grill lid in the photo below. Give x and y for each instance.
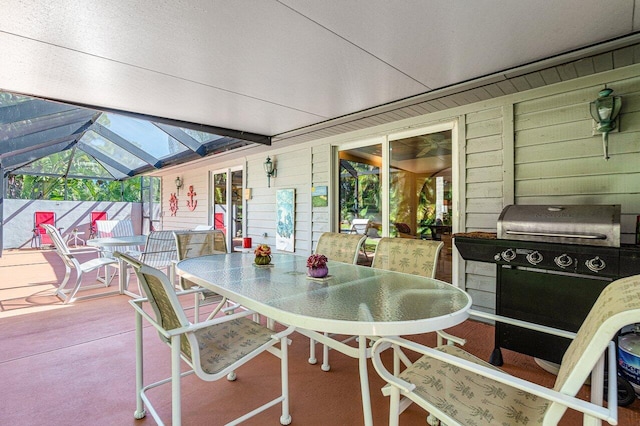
(596, 225)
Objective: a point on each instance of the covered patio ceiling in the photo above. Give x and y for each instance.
(276, 68)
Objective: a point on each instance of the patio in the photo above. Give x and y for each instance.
(74, 364)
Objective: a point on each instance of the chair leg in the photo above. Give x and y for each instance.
(285, 419)
(60, 291)
(196, 308)
(140, 411)
(76, 287)
(394, 406)
(176, 406)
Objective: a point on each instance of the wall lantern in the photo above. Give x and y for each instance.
(270, 168)
(604, 111)
(179, 184)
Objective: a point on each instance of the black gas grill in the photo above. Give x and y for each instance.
(552, 263)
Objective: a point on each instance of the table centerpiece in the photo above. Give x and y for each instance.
(263, 254)
(317, 266)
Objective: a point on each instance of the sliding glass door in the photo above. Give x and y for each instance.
(400, 186)
(420, 188)
(227, 207)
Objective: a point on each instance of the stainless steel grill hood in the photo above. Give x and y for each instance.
(595, 225)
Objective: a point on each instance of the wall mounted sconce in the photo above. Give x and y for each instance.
(604, 111)
(179, 184)
(270, 168)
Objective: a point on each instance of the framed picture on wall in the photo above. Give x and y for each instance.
(319, 196)
(286, 214)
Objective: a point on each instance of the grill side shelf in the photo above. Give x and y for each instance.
(478, 249)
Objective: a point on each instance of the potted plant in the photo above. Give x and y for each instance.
(317, 266)
(263, 254)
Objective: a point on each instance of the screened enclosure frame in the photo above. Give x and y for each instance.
(47, 138)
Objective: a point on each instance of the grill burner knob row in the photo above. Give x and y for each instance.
(596, 264)
(508, 255)
(534, 257)
(563, 261)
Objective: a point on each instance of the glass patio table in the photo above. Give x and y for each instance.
(353, 300)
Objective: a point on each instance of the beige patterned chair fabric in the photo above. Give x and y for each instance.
(460, 396)
(340, 247)
(198, 243)
(213, 349)
(195, 244)
(418, 257)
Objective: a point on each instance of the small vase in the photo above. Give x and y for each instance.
(318, 272)
(263, 260)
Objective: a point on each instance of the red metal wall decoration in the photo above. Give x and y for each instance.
(191, 203)
(173, 204)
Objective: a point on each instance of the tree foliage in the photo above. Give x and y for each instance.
(28, 187)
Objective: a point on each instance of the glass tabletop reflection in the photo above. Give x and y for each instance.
(351, 300)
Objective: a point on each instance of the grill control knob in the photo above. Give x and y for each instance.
(563, 261)
(534, 257)
(508, 255)
(596, 264)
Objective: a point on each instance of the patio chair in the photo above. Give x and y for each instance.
(212, 349)
(40, 236)
(418, 257)
(471, 391)
(360, 226)
(116, 228)
(412, 256)
(95, 216)
(71, 262)
(195, 244)
(339, 248)
(160, 252)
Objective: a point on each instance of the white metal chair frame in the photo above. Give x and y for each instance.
(71, 262)
(617, 307)
(185, 344)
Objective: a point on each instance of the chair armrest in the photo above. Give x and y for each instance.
(84, 250)
(523, 324)
(137, 305)
(609, 415)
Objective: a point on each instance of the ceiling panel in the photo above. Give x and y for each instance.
(442, 43)
(270, 66)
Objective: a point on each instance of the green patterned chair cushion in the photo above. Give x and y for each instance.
(469, 398)
(418, 257)
(340, 247)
